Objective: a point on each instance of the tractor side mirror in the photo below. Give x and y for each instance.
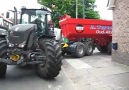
(7, 15)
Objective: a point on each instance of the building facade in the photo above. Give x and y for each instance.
(120, 30)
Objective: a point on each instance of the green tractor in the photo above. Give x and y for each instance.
(32, 41)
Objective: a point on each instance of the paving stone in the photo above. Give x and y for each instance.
(103, 64)
(79, 81)
(85, 87)
(85, 73)
(109, 70)
(102, 87)
(78, 64)
(117, 81)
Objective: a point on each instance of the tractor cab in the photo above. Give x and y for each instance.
(40, 16)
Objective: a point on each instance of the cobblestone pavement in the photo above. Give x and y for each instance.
(96, 72)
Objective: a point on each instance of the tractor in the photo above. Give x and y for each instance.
(31, 42)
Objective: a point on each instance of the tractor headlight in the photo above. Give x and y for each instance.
(22, 44)
(11, 45)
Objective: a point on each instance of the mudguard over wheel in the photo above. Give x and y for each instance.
(3, 54)
(53, 62)
(102, 49)
(89, 47)
(80, 50)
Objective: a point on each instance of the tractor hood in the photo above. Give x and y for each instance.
(22, 27)
(20, 33)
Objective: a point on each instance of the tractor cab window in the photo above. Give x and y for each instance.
(25, 19)
(34, 16)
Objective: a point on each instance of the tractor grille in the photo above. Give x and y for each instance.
(16, 38)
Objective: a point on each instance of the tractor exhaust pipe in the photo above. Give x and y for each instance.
(15, 15)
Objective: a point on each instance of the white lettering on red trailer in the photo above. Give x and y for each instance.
(103, 32)
(100, 27)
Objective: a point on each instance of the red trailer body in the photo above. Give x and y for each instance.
(74, 29)
(78, 31)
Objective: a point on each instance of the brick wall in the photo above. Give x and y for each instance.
(121, 31)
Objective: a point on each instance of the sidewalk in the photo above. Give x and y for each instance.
(96, 72)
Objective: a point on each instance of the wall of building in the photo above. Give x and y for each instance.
(121, 31)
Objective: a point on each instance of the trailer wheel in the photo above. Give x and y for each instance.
(102, 49)
(89, 47)
(3, 54)
(109, 47)
(52, 65)
(80, 50)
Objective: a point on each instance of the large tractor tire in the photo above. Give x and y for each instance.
(80, 50)
(109, 47)
(89, 47)
(52, 65)
(3, 54)
(102, 49)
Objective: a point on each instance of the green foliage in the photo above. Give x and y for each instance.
(69, 7)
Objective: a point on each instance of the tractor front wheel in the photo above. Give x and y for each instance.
(52, 65)
(3, 54)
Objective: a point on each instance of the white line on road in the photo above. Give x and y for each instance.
(78, 64)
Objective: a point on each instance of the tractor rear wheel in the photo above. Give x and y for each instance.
(3, 54)
(102, 49)
(53, 62)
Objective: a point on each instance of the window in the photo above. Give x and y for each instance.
(35, 16)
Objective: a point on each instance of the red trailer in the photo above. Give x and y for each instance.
(82, 35)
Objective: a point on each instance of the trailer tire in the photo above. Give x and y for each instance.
(53, 62)
(80, 50)
(3, 54)
(89, 47)
(109, 47)
(102, 49)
